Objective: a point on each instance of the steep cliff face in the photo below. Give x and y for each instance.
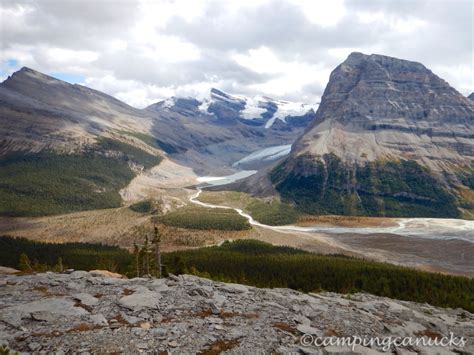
(390, 138)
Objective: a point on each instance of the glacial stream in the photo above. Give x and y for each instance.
(429, 228)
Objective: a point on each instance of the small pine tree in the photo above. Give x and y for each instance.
(25, 263)
(59, 267)
(136, 252)
(146, 256)
(156, 243)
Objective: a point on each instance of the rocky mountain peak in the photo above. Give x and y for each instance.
(28, 77)
(222, 96)
(390, 138)
(471, 96)
(400, 102)
(230, 109)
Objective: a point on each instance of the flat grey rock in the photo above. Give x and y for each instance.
(86, 299)
(139, 300)
(47, 309)
(234, 288)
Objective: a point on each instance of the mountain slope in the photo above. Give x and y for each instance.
(39, 112)
(66, 148)
(61, 149)
(211, 134)
(390, 138)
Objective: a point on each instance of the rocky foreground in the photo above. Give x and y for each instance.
(91, 312)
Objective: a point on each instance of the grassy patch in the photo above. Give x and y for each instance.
(206, 219)
(47, 183)
(272, 212)
(227, 198)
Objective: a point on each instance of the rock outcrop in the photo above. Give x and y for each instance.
(377, 110)
(85, 312)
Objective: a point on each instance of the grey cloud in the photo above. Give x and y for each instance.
(211, 66)
(282, 26)
(279, 25)
(70, 24)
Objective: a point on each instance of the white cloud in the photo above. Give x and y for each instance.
(460, 75)
(145, 50)
(322, 12)
(291, 76)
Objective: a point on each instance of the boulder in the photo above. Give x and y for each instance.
(105, 273)
(8, 270)
(233, 288)
(142, 299)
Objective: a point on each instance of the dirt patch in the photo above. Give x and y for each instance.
(219, 347)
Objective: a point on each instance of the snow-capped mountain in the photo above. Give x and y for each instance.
(256, 111)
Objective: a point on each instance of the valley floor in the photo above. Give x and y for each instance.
(170, 183)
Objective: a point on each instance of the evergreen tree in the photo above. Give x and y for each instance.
(146, 256)
(136, 252)
(156, 244)
(25, 263)
(59, 267)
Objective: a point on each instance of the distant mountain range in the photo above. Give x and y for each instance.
(67, 147)
(390, 138)
(227, 109)
(40, 112)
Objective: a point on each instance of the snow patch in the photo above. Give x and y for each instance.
(168, 103)
(266, 154)
(205, 106)
(252, 109)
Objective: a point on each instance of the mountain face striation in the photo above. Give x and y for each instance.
(390, 138)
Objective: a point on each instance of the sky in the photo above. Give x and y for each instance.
(143, 51)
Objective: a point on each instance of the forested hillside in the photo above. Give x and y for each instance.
(46, 183)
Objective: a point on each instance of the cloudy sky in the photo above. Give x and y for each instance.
(143, 51)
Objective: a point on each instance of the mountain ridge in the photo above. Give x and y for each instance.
(42, 112)
(389, 136)
(228, 109)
